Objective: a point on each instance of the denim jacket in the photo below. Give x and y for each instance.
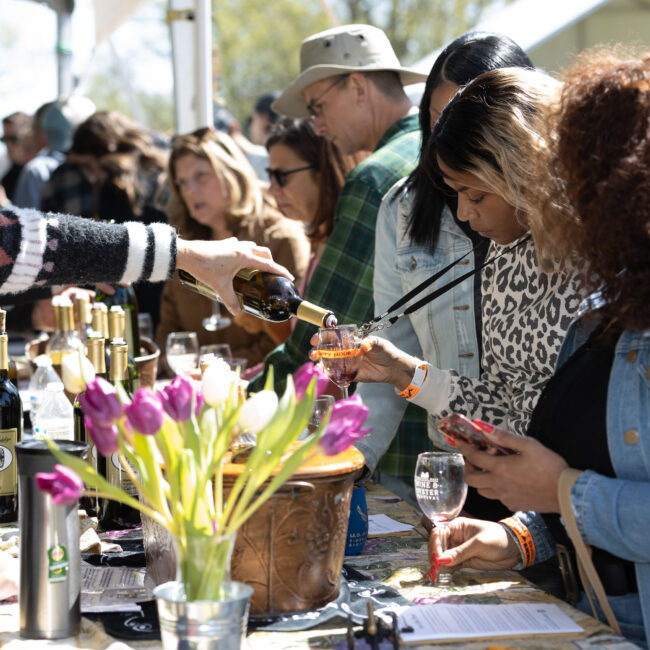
(614, 513)
(442, 332)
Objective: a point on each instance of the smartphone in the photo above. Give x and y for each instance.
(458, 426)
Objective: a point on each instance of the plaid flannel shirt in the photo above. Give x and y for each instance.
(342, 281)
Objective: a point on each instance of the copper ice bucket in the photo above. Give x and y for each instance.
(291, 551)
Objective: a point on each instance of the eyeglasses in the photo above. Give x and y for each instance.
(315, 105)
(13, 139)
(280, 175)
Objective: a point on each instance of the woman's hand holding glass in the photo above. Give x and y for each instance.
(440, 490)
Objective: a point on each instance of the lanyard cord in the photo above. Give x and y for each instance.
(386, 320)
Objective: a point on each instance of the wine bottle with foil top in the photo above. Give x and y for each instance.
(117, 332)
(95, 347)
(99, 320)
(65, 339)
(84, 316)
(11, 432)
(115, 515)
(13, 369)
(267, 296)
(125, 298)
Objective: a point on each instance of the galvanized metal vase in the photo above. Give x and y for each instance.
(202, 624)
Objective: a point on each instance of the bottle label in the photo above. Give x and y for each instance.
(57, 563)
(116, 475)
(246, 274)
(8, 473)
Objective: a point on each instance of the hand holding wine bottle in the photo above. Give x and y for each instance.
(215, 263)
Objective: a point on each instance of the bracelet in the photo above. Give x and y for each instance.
(524, 538)
(413, 388)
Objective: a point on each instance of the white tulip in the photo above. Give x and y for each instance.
(257, 411)
(217, 382)
(77, 371)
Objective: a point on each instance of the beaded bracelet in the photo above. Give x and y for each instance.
(413, 388)
(524, 538)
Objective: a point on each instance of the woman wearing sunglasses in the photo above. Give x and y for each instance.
(307, 173)
(216, 195)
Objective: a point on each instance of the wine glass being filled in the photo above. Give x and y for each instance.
(339, 350)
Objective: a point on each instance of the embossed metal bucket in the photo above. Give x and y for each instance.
(291, 551)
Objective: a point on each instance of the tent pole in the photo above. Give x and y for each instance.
(203, 63)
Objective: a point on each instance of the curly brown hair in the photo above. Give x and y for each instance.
(595, 190)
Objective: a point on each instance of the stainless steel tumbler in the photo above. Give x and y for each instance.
(50, 581)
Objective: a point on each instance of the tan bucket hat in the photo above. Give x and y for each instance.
(349, 48)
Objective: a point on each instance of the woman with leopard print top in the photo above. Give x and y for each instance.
(483, 147)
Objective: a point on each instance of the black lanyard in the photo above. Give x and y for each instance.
(386, 320)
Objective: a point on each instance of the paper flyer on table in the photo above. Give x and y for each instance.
(384, 525)
(112, 589)
(423, 623)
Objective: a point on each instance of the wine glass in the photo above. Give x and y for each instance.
(216, 321)
(339, 349)
(440, 490)
(208, 353)
(182, 352)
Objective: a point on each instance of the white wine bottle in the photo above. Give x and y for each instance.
(267, 296)
(11, 432)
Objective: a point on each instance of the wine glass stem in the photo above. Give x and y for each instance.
(344, 390)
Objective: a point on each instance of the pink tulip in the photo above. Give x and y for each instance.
(344, 426)
(303, 376)
(104, 437)
(63, 484)
(176, 398)
(145, 412)
(100, 403)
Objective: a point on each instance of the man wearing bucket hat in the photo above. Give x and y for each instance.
(351, 83)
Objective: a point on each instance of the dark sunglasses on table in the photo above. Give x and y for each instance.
(280, 175)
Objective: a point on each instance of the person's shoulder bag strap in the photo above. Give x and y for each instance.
(590, 580)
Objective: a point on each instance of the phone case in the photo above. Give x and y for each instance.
(458, 426)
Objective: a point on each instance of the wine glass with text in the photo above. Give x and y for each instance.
(339, 349)
(182, 352)
(440, 490)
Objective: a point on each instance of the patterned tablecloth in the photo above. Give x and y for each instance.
(399, 562)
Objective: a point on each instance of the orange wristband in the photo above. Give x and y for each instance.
(413, 388)
(524, 538)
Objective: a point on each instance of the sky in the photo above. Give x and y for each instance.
(28, 74)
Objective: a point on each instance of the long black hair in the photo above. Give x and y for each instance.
(461, 61)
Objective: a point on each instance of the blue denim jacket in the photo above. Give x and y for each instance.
(614, 513)
(442, 332)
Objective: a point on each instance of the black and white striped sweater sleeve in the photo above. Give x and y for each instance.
(38, 249)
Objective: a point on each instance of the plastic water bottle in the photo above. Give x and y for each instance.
(55, 417)
(43, 375)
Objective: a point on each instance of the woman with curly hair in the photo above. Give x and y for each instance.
(216, 195)
(591, 428)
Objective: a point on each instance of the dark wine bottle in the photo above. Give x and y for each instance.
(11, 432)
(267, 296)
(115, 515)
(125, 297)
(95, 345)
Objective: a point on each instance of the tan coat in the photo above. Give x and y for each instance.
(182, 310)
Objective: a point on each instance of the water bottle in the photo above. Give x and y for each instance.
(55, 417)
(43, 375)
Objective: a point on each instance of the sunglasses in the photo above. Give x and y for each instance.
(13, 139)
(280, 175)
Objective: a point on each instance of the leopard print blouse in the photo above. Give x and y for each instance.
(526, 313)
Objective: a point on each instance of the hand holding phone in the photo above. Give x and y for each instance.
(457, 426)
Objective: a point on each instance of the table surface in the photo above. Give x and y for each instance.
(397, 561)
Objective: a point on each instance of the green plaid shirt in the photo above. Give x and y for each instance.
(342, 281)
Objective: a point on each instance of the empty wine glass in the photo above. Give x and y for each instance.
(339, 349)
(182, 352)
(208, 353)
(216, 321)
(440, 490)
(236, 363)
